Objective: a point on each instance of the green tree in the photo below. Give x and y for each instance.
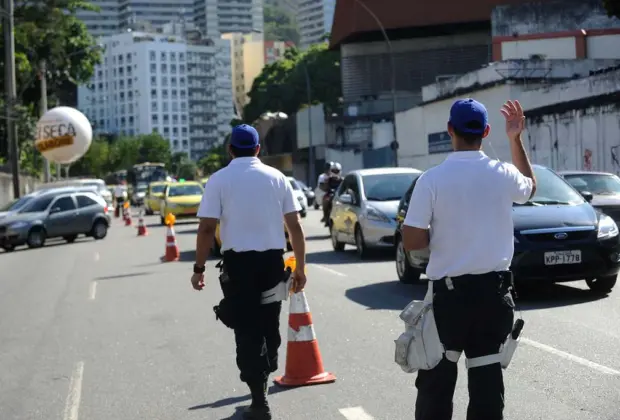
(187, 170)
(279, 25)
(96, 161)
(153, 148)
(216, 159)
(281, 86)
(612, 7)
(176, 160)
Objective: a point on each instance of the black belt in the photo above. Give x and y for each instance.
(501, 279)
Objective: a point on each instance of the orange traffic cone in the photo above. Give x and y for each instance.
(128, 218)
(304, 365)
(172, 249)
(142, 227)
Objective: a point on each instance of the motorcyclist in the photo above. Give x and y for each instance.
(321, 186)
(330, 186)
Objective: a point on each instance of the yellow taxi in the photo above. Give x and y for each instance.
(180, 199)
(217, 245)
(154, 195)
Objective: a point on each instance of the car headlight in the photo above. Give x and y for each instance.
(375, 215)
(18, 225)
(607, 228)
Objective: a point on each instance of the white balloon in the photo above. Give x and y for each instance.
(64, 135)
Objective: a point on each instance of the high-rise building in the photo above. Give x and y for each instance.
(104, 22)
(155, 12)
(314, 20)
(177, 86)
(249, 54)
(287, 6)
(215, 17)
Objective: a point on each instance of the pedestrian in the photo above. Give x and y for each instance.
(462, 211)
(251, 201)
(120, 194)
(321, 185)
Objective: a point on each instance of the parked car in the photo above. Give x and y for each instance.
(64, 213)
(98, 184)
(365, 206)
(154, 195)
(299, 195)
(307, 191)
(558, 237)
(604, 188)
(181, 199)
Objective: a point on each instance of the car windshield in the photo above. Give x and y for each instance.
(157, 189)
(180, 190)
(387, 187)
(551, 189)
(142, 188)
(599, 184)
(37, 205)
(294, 184)
(17, 204)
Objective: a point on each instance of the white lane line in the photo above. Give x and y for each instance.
(72, 406)
(571, 357)
(92, 293)
(355, 413)
(97, 256)
(329, 270)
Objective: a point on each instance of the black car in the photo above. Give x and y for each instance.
(558, 237)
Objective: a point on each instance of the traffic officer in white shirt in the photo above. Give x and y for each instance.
(462, 211)
(251, 201)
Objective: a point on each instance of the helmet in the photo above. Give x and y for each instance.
(335, 168)
(328, 166)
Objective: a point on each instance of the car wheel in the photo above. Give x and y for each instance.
(36, 238)
(360, 244)
(406, 273)
(602, 284)
(99, 230)
(162, 220)
(338, 246)
(70, 238)
(148, 211)
(8, 248)
(317, 206)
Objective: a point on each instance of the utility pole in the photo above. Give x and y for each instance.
(11, 93)
(311, 163)
(42, 111)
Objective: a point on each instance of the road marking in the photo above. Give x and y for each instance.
(355, 413)
(93, 290)
(97, 256)
(329, 270)
(571, 357)
(72, 406)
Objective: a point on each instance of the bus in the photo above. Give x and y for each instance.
(147, 172)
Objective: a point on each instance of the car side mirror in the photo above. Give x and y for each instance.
(346, 199)
(587, 195)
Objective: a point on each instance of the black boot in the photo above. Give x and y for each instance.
(259, 410)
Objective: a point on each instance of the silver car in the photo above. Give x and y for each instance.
(365, 206)
(64, 213)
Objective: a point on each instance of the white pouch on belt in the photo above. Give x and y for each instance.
(419, 347)
(278, 293)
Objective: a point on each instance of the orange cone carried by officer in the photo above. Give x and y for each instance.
(172, 249)
(304, 364)
(127, 213)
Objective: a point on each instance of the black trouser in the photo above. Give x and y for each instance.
(475, 317)
(258, 334)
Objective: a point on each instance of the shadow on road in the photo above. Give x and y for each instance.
(317, 237)
(392, 295)
(123, 276)
(273, 389)
(553, 296)
(347, 257)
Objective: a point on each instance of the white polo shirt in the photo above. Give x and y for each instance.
(120, 191)
(250, 199)
(467, 202)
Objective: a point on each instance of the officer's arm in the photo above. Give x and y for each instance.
(419, 214)
(209, 213)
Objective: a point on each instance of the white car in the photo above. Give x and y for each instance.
(299, 195)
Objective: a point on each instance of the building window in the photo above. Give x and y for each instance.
(153, 106)
(153, 80)
(152, 55)
(153, 92)
(153, 68)
(173, 68)
(173, 56)
(164, 68)
(163, 56)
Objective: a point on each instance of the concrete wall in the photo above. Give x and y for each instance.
(27, 184)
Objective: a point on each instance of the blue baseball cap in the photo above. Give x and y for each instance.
(244, 137)
(469, 116)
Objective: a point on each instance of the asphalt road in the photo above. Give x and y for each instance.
(104, 330)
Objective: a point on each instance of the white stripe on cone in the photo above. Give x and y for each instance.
(305, 333)
(299, 304)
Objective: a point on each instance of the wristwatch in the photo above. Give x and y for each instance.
(198, 269)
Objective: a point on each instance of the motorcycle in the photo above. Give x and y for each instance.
(328, 199)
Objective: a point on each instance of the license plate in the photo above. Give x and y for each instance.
(562, 257)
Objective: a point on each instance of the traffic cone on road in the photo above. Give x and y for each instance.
(128, 217)
(304, 365)
(142, 227)
(172, 249)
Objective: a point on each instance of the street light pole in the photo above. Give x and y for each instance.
(393, 73)
(42, 111)
(311, 163)
(11, 93)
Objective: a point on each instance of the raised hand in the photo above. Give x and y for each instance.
(515, 120)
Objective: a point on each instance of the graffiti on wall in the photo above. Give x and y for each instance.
(587, 160)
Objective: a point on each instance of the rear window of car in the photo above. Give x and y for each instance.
(181, 190)
(86, 201)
